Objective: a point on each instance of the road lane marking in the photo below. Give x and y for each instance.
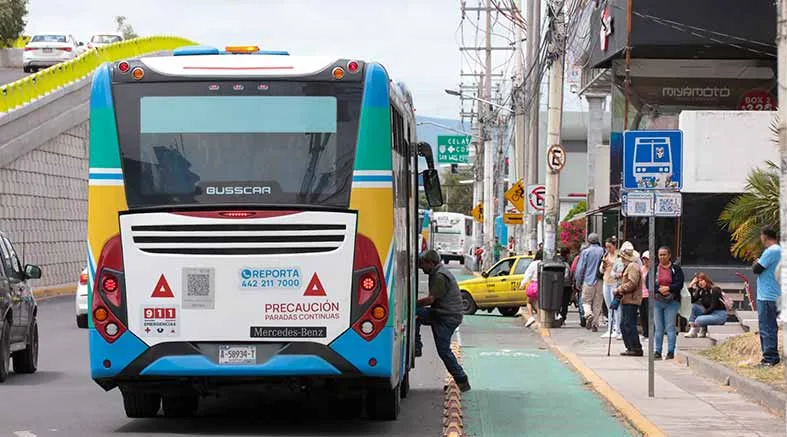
(24, 434)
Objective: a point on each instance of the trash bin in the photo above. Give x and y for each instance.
(550, 285)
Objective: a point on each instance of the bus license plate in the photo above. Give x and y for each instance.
(232, 354)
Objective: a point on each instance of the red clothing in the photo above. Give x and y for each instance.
(665, 276)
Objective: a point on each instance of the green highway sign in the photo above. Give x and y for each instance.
(453, 149)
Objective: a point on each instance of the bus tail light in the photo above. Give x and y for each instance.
(108, 307)
(370, 307)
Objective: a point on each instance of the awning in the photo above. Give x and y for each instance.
(596, 211)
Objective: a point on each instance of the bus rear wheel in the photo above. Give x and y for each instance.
(140, 405)
(179, 406)
(383, 403)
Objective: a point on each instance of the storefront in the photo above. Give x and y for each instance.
(699, 55)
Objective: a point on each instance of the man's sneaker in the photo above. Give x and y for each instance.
(619, 336)
(630, 353)
(589, 321)
(767, 364)
(530, 321)
(656, 355)
(670, 355)
(582, 322)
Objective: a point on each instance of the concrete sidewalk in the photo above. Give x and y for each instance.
(684, 403)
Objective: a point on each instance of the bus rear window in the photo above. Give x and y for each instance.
(290, 148)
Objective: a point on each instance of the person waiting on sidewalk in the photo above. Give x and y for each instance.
(442, 310)
(707, 306)
(568, 287)
(644, 306)
(613, 270)
(530, 284)
(669, 283)
(587, 279)
(628, 296)
(768, 293)
(578, 290)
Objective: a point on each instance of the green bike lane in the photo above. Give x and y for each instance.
(519, 388)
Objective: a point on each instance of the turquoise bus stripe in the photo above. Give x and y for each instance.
(374, 132)
(104, 146)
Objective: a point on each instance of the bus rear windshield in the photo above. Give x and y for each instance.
(285, 143)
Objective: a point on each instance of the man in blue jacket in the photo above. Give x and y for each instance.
(587, 280)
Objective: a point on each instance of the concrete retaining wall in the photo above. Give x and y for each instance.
(43, 182)
(10, 58)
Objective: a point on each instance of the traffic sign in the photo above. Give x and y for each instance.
(536, 198)
(653, 159)
(556, 157)
(516, 195)
(514, 218)
(478, 213)
(453, 149)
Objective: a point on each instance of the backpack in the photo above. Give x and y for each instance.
(600, 268)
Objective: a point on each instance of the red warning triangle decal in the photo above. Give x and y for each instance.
(162, 288)
(315, 287)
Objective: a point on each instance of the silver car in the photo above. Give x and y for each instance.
(46, 50)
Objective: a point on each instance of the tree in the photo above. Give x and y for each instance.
(124, 28)
(572, 233)
(747, 213)
(457, 197)
(12, 21)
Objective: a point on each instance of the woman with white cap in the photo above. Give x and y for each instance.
(613, 270)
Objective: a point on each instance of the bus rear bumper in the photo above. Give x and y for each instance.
(130, 361)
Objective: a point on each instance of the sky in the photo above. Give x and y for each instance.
(417, 41)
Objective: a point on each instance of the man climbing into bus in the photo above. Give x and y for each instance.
(442, 310)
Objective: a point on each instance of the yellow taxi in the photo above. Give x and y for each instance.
(497, 287)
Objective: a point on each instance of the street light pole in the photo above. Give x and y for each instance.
(533, 18)
(489, 152)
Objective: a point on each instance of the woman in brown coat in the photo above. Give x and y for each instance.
(629, 295)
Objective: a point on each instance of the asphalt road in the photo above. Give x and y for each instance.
(8, 75)
(61, 399)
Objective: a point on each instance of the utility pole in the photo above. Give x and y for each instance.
(555, 121)
(489, 156)
(781, 38)
(519, 161)
(533, 111)
(478, 185)
(555, 118)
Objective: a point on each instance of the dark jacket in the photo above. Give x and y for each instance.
(675, 287)
(709, 298)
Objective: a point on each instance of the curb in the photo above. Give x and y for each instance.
(632, 415)
(754, 390)
(48, 292)
(452, 405)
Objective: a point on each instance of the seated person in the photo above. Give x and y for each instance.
(707, 306)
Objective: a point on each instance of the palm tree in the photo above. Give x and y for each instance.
(747, 213)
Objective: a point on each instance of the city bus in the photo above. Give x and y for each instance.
(453, 235)
(252, 223)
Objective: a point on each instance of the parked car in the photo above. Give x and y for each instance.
(81, 300)
(18, 312)
(46, 50)
(103, 39)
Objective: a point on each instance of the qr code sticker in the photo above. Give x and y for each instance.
(200, 288)
(197, 284)
(640, 208)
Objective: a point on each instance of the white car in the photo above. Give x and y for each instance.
(103, 39)
(81, 300)
(45, 50)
